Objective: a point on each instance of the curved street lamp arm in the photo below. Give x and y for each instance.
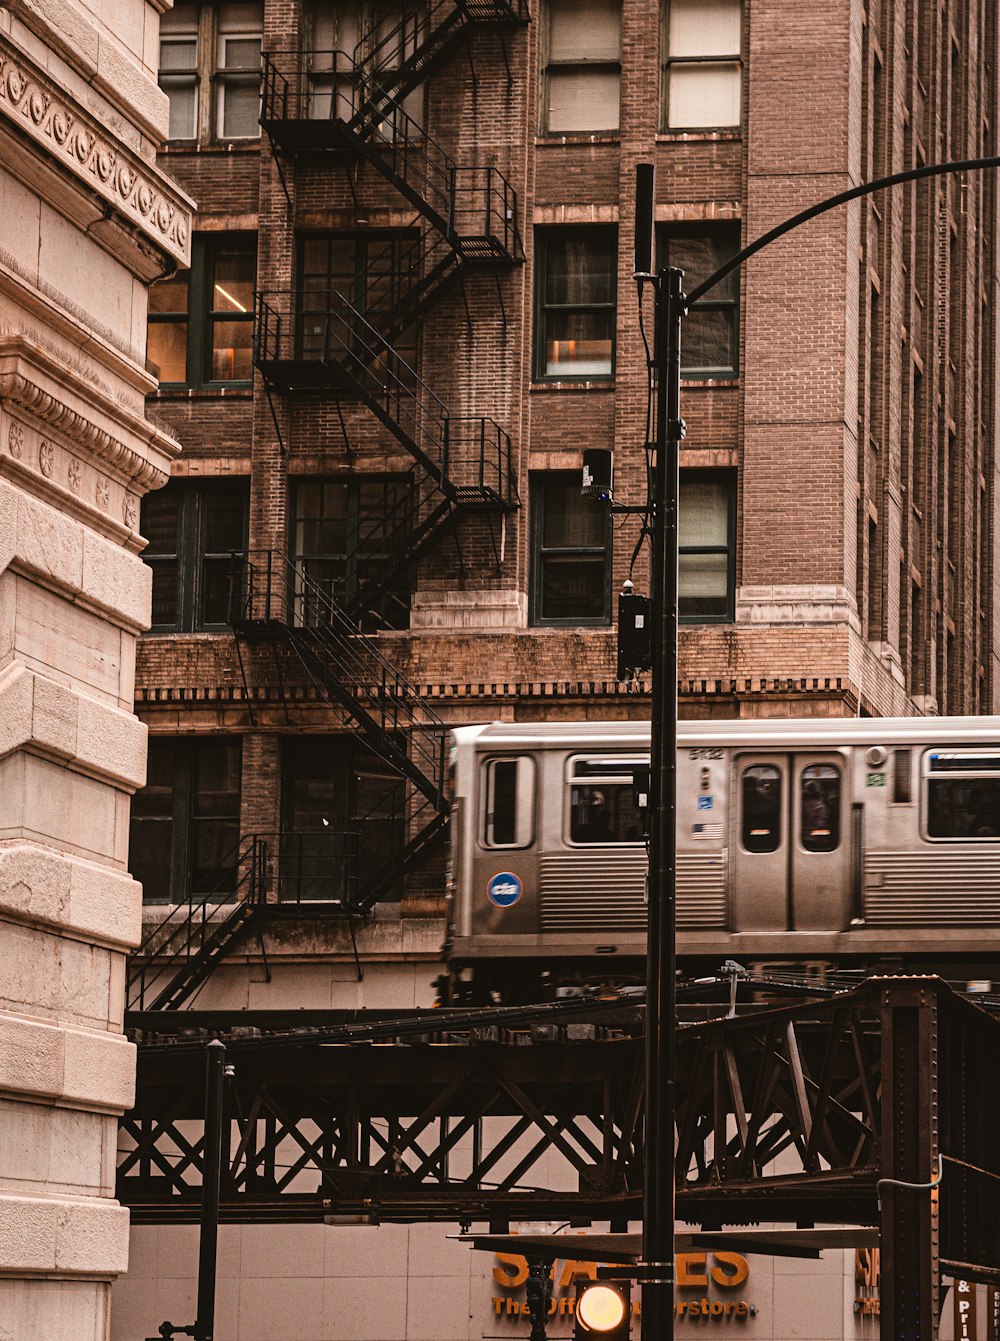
(896, 179)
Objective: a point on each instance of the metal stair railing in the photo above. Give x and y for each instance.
(324, 101)
(273, 596)
(171, 947)
(401, 56)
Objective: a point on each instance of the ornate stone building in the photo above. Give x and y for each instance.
(89, 220)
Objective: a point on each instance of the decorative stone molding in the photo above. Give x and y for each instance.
(44, 387)
(144, 197)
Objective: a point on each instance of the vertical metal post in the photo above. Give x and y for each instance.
(909, 1147)
(208, 1244)
(661, 956)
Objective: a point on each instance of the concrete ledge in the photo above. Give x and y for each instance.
(73, 1238)
(43, 887)
(74, 1066)
(90, 736)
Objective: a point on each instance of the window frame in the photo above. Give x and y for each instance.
(524, 805)
(211, 77)
(695, 228)
(544, 235)
(727, 477)
(191, 551)
(576, 65)
(928, 774)
(667, 61)
(183, 819)
(225, 77)
(535, 487)
(200, 317)
(402, 484)
(611, 777)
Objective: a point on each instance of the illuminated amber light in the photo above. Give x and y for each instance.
(600, 1309)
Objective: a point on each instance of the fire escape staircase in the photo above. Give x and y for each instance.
(276, 602)
(308, 873)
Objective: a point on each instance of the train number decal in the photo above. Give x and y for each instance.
(504, 889)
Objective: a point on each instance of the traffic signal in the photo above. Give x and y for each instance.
(603, 1310)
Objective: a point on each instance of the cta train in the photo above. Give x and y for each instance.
(870, 843)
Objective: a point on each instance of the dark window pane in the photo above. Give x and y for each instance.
(501, 816)
(232, 280)
(161, 520)
(217, 777)
(217, 576)
(963, 807)
(224, 515)
(605, 814)
(709, 341)
(579, 270)
(820, 808)
(570, 519)
(165, 609)
(150, 856)
(761, 785)
(573, 588)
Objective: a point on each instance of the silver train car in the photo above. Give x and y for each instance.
(861, 843)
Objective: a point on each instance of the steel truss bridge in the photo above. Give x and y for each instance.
(810, 1112)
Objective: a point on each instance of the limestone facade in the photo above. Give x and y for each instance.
(89, 221)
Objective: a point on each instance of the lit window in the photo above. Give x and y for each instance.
(201, 321)
(706, 535)
(576, 281)
(711, 338)
(193, 529)
(702, 72)
(571, 553)
(583, 70)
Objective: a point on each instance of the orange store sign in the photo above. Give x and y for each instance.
(715, 1273)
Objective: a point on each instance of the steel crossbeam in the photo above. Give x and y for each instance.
(823, 1112)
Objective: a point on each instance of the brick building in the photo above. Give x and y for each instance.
(437, 222)
(410, 309)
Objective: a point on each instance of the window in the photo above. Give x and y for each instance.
(333, 786)
(583, 72)
(210, 71)
(374, 272)
(193, 530)
(201, 321)
(701, 75)
(819, 818)
(963, 794)
(347, 534)
(385, 33)
(602, 802)
(711, 338)
(706, 533)
(761, 795)
(508, 802)
(185, 824)
(571, 553)
(576, 285)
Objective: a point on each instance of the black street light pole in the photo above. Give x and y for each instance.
(671, 306)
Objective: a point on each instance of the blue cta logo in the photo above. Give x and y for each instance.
(504, 889)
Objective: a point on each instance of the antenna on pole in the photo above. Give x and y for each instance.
(644, 177)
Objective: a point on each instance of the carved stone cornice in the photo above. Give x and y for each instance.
(71, 407)
(143, 197)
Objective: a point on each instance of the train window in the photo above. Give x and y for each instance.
(508, 802)
(902, 769)
(761, 808)
(602, 802)
(963, 807)
(820, 808)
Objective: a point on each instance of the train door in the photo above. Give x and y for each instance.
(791, 848)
